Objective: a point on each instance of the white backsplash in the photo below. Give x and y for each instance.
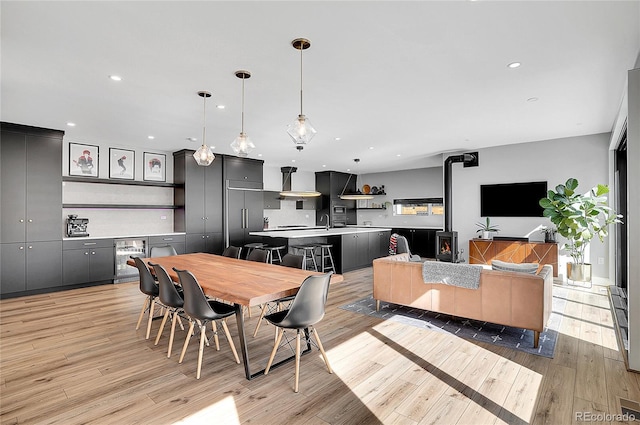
(289, 215)
(119, 221)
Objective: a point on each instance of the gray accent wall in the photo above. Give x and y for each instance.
(553, 161)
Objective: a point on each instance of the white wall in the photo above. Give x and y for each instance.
(300, 180)
(583, 157)
(418, 183)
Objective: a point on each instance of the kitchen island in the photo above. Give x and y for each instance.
(353, 247)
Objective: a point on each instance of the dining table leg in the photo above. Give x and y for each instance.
(245, 352)
(243, 340)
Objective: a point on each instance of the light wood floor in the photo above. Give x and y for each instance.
(74, 357)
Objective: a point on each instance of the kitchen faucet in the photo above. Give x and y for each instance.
(326, 225)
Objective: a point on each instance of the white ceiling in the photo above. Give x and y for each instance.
(411, 78)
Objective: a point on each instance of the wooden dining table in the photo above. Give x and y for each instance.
(240, 282)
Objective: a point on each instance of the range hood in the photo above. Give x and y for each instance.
(287, 174)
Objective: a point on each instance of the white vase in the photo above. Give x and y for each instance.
(486, 234)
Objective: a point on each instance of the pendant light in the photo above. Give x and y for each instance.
(301, 131)
(242, 145)
(354, 196)
(204, 156)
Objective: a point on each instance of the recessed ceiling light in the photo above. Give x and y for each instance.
(371, 148)
(151, 137)
(532, 99)
(324, 165)
(348, 169)
(293, 160)
(398, 155)
(192, 139)
(71, 124)
(514, 65)
(259, 154)
(337, 139)
(220, 106)
(115, 77)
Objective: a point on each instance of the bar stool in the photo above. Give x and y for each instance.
(325, 254)
(271, 250)
(308, 253)
(251, 246)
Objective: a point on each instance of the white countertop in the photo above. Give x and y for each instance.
(318, 232)
(122, 236)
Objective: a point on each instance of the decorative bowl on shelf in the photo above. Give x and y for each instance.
(366, 189)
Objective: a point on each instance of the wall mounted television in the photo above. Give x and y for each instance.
(512, 199)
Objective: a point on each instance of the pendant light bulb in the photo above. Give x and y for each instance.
(242, 145)
(301, 131)
(204, 156)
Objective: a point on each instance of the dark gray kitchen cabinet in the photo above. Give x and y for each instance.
(271, 200)
(31, 184)
(379, 244)
(198, 197)
(88, 261)
(245, 214)
(244, 199)
(211, 243)
(176, 241)
(355, 251)
(31, 265)
(31, 223)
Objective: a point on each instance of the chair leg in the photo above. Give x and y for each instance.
(295, 388)
(173, 331)
(186, 341)
(151, 308)
(324, 355)
(164, 320)
(228, 335)
(144, 308)
(273, 352)
(180, 322)
(215, 334)
(262, 313)
(200, 350)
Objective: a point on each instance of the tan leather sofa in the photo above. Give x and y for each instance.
(520, 300)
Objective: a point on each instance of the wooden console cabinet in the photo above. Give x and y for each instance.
(483, 251)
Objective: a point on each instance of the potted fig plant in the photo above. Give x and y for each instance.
(486, 228)
(579, 218)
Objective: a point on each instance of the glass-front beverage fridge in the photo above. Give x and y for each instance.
(125, 248)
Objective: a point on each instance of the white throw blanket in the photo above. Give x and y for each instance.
(462, 275)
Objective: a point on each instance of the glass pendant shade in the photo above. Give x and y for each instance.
(301, 131)
(204, 156)
(242, 145)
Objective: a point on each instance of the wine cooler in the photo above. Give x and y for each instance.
(125, 248)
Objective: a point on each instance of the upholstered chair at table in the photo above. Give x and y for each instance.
(231, 252)
(306, 310)
(149, 287)
(172, 298)
(258, 255)
(202, 311)
(162, 251)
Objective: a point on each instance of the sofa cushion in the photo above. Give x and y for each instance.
(531, 268)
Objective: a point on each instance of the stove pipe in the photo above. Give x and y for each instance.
(469, 159)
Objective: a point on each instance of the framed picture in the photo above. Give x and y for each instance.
(154, 169)
(122, 163)
(83, 160)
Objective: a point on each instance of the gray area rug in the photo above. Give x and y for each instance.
(504, 336)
